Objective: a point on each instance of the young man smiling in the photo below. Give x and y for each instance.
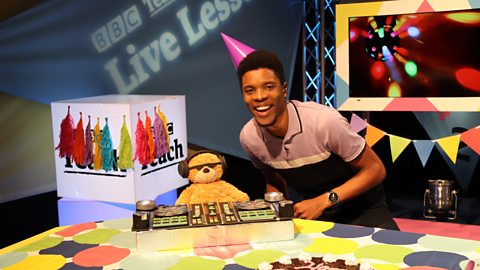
(308, 151)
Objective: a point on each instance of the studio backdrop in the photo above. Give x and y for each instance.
(62, 50)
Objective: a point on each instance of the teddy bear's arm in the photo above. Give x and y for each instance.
(233, 192)
(185, 196)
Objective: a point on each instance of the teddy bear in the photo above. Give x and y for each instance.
(204, 170)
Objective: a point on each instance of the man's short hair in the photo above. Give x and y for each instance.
(261, 59)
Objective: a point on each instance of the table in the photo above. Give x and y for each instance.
(111, 245)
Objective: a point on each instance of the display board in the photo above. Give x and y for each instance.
(408, 56)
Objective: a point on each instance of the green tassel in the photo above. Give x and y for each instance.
(108, 159)
(125, 160)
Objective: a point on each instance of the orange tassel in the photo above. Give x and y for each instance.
(79, 146)
(97, 138)
(151, 146)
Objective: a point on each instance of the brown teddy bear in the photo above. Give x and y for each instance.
(204, 169)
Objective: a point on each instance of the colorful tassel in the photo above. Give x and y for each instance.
(79, 145)
(150, 143)
(67, 137)
(125, 148)
(160, 136)
(164, 120)
(97, 157)
(141, 151)
(107, 149)
(88, 158)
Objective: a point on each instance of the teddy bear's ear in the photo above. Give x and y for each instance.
(183, 168)
(223, 161)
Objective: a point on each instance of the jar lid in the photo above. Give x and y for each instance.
(145, 205)
(273, 196)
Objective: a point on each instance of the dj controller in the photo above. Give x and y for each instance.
(151, 217)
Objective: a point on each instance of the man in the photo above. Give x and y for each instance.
(308, 151)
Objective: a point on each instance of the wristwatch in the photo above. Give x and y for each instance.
(333, 198)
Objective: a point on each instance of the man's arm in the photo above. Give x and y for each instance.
(274, 182)
(371, 173)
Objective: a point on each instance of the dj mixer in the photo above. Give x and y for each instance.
(151, 217)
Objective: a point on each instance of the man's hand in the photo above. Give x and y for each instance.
(311, 208)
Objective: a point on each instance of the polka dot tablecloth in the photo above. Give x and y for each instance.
(111, 245)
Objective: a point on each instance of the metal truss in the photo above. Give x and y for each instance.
(319, 51)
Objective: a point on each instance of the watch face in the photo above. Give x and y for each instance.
(333, 197)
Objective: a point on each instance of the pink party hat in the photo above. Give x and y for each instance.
(237, 50)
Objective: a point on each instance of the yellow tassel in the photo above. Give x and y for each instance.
(125, 149)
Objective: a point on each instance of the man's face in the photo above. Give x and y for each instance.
(264, 95)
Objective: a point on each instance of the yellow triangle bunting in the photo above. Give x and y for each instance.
(373, 135)
(397, 145)
(450, 146)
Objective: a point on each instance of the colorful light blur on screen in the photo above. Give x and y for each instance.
(430, 54)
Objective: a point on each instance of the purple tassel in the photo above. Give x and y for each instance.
(88, 158)
(159, 133)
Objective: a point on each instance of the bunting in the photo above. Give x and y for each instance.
(398, 144)
(424, 148)
(373, 135)
(450, 146)
(471, 138)
(357, 123)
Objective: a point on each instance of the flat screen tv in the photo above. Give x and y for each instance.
(413, 55)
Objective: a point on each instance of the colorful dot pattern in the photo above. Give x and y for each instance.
(112, 245)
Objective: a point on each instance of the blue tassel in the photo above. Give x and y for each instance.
(107, 149)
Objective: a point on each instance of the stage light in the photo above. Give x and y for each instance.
(440, 200)
(468, 77)
(394, 90)
(411, 68)
(378, 69)
(413, 31)
(465, 17)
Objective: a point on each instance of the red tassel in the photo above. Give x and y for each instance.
(141, 151)
(79, 146)
(65, 146)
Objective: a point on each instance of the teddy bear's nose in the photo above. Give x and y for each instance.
(206, 170)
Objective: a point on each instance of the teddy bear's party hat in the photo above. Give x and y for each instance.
(237, 50)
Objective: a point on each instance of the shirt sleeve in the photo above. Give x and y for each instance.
(244, 142)
(340, 137)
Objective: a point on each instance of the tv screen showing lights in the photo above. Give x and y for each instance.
(408, 56)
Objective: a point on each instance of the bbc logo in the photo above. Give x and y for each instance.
(118, 28)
